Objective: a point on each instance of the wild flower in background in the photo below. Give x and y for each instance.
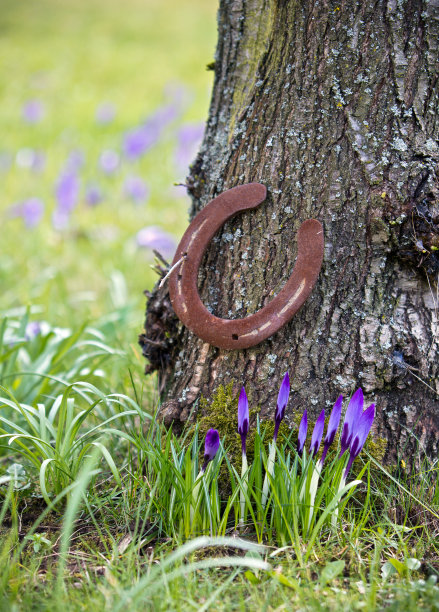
(243, 425)
(33, 329)
(135, 188)
(189, 138)
(93, 194)
(67, 195)
(109, 161)
(105, 113)
(142, 138)
(153, 237)
(33, 111)
(211, 446)
(30, 210)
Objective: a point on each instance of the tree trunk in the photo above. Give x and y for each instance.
(334, 107)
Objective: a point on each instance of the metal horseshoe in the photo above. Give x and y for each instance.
(183, 280)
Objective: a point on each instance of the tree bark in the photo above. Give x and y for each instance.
(334, 107)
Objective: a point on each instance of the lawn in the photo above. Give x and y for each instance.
(102, 110)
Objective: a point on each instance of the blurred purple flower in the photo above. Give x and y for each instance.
(282, 400)
(30, 158)
(135, 188)
(334, 421)
(67, 194)
(33, 329)
(33, 111)
(140, 139)
(75, 160)
(189, 140)
(317, 434)
(360, 433)
(243, 418)
(211, 446)
(30, 210)
(93, 194)
(109, 161)
(152, 237)
(353, 413)
(105, 113)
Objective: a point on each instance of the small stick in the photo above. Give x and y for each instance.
(171, 269)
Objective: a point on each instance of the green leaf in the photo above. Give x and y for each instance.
(288, 582)
(331, 571)
(251, 577)
(412, 564)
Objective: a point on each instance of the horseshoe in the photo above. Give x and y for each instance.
(251, 330)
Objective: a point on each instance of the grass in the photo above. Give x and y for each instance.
(99, 506)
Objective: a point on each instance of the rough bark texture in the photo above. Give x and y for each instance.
(334, 107)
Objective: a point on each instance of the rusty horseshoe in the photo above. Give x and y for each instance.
(251, 330)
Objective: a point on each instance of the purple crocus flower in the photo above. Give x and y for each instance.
(140, 139)
(243, 418)
(189, 139)
(155, 238)
(33, 329)
(282, 400)
(303, 429)
(360, 433)
(135, 188)
(33, 111)
(317, 434)
(353, 413)
(211, 446)
(105, 113)
(109, 161)
(31, 211)
(334, 420)
(93, 194)
(67, 194)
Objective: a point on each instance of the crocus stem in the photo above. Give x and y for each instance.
(340, 487)
(195, 491)
(270, 469)
(313, 489)
(244, 485)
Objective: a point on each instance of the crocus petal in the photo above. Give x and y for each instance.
(353, 413)
(282, 398)
(211, 445)
(243, 415)
(317, 434)
(303, 429)
(334, 420)
(362, 430)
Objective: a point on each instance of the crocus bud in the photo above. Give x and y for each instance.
(211, 446)
(360, 434)
(353, 413)
(317, 434)
(243, 418)
(334, 420)
(303, 428)
(282, 400)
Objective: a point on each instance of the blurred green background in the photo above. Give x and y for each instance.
(80, 81)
